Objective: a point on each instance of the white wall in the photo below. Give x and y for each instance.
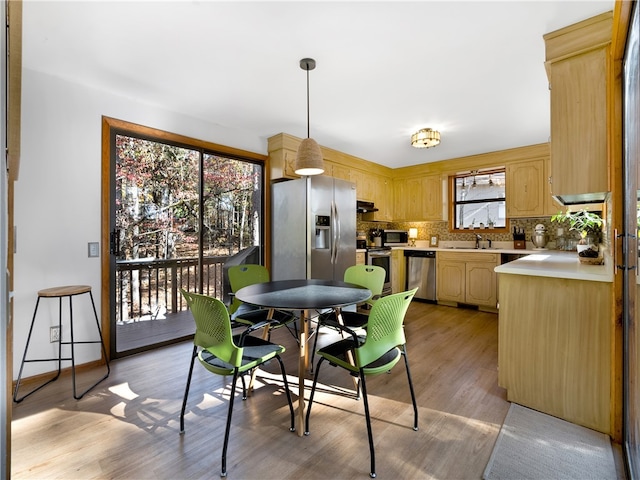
(58, 198)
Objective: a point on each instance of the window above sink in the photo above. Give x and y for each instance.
(478, 201)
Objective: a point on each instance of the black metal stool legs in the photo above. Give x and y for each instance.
(24, 358)
(72, 343)
(60, 293)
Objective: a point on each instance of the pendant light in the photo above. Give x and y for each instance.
(309, 157)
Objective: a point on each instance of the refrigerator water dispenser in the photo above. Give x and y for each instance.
(323, 230)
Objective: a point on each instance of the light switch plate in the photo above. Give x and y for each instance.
(94, 249)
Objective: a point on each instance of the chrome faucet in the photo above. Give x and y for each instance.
(478, 240)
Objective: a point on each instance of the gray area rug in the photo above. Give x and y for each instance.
(533, 445)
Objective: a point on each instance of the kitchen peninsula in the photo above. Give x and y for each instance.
(554, 337)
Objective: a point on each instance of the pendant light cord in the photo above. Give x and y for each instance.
(308, 64)
(308, 121)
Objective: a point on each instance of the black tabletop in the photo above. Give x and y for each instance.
(303, 294)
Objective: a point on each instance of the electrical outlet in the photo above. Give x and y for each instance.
(54, 334)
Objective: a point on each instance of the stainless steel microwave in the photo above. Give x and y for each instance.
(395, 238)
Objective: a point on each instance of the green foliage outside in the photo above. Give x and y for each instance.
(158, 210)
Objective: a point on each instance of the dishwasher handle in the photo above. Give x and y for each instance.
(420, 253)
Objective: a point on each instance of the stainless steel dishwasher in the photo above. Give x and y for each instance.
(421, 273)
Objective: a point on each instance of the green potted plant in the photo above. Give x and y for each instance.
(589, 226)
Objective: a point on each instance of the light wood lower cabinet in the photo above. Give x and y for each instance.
(467, 278)
(450, 280)
(554, 347)
(360, 258)
(398, 271)
(480, 282)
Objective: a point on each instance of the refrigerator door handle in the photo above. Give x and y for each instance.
(333, 232)
(336, 242)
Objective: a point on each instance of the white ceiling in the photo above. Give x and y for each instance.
(472, 70)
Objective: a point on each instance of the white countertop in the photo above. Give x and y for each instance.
(537, 262)
(470, 249)
(469, 246)
(557, 264)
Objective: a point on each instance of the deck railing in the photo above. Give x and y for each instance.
(148, 288)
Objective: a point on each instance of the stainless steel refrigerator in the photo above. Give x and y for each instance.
(313, 228)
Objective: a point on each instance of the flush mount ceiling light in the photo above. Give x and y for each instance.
(425, 138)
(309, 157)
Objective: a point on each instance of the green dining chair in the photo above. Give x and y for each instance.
(222, 353)
(376, 353)
(368, 276)
(249, 274)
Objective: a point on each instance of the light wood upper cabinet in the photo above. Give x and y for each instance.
(337, 171)
(415, 199)
(383, 198)
(399, 199)
(432, 192)
(286, 165)
(418, 198)
(283, 148)
(525, 189)
(365, 185)
(551, 206)
(578, 65)
(376, 189)
(407, 199)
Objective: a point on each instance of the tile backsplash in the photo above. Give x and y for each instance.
(427, 229)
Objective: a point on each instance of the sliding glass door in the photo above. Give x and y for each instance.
(178, 213)
(631, 210)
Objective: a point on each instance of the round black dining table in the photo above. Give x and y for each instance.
(303, 295)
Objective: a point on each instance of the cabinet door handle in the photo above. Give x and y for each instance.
(615, 251)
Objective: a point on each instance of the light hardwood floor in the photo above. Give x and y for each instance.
(127, 427)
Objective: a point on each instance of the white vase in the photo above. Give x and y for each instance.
(582, 247)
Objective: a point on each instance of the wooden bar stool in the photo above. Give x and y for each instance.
(59, 293)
